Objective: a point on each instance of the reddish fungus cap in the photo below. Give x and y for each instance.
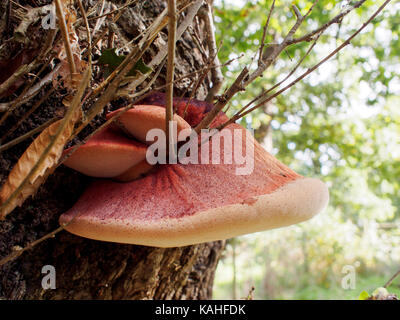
(183, 204)
(107, 154)
(142, 118)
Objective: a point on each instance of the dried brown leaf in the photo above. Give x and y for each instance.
(28, 160)
(41, 157)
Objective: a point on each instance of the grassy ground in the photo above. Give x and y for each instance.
(313, 292)
(367, 283)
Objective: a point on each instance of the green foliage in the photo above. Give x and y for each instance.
(341, 124)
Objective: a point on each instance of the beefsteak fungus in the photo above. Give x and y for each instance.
(142, 118)
(107, 154)
(183, 204)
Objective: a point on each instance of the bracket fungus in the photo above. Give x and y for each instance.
(142, 118)
(187, 203)
(107, 154)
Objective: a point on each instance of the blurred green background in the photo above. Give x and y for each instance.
(340, 124)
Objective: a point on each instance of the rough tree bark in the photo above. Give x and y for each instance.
(87, 269)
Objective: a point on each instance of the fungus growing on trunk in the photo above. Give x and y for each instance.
(107, 154)
(142, 118)
(183, 204)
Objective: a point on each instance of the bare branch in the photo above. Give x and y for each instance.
(297, 11)
(216, 74)
(235, 87)
(169, 110)
(270, 54)
(89, 37)
(344, 44)
(68, 118)
(27, 135)
(30, 92)
(311, 8)
(265, 32)
(264, 93)
(114, 11)
(389, 282)
(126, 91)
(18, 251)
(64, 31)
(309, 36)
(24, 69)
(117, 76)
(162, 53)
(274, 50)
(27, 114)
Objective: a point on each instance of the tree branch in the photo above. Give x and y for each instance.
(235, 87)
(265, 32)
(216, 74)
(169, 110)
(389, 282)
(64, 31)
(344, 44)
(309, 36)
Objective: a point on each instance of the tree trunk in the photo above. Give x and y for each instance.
(87, 269)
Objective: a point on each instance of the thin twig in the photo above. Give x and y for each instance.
(104, 32)
(99, 22)
(16, 253)
(27, 135)
(122, 92)
(264, 93)
(180, 10)
(22, 70)
(309, 36)
(265, 31)
(235, 87)
(216, 74)
(150, 34)
(274, 50)
(25, 68)
(389, 282)
(114, 11)
(89, 38)
(65, 34)
(27, 114)
(196, 39)
(18, 5)
(69, 116)
(121, 71)
(31, 91)
(200, 80)
(267, 59)
(169, 110)
(162, 53)
(344, 44)
(195, 87)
